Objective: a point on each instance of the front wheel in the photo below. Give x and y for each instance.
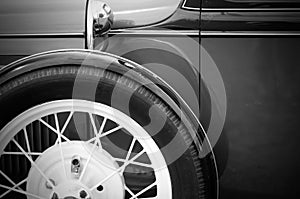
(55, 144)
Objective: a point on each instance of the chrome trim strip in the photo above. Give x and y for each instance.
(189, 8)
(249, 9)
(89, 38)
(17, 35)
(249, 33)
(155, 32)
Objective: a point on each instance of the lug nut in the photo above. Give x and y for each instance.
(100, 188)
(83, 194)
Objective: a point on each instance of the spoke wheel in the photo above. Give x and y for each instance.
(99, 174)
(57, 145)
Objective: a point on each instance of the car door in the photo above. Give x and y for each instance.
(255, 45)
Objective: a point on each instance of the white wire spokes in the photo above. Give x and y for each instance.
(22, 192)
(97, 134)
(105, 133)
(20, 153)
(111, 131)
(27, 141)
(95, 129)
(65, 125)
(143, 191)
(134, 196)
(34, 164)
(128, 153)
(126, 162)
(8, 179)
(118, 170)
(127, 189)
(14, 187)
(54, 130)
(67, 122)
(134, 163)
(59, 143)
(30, 153)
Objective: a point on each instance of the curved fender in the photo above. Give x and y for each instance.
(125, 67)
(78, 57)
(117, 64)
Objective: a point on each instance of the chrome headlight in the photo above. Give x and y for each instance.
(99, 20)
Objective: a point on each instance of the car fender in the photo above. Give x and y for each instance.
(99, 59)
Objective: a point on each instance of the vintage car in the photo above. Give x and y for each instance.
(149, 99)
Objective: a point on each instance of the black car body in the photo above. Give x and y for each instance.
(255, 46)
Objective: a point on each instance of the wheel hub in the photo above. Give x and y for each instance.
(72, 172)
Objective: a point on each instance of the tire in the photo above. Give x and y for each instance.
(189, 174)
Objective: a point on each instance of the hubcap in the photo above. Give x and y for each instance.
(67, 185)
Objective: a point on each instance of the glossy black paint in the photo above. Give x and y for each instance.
(260, 69)
(250, 16)
(261, 77)
(191, 4)
(249, 21)
(249, 4)
(182, 20)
